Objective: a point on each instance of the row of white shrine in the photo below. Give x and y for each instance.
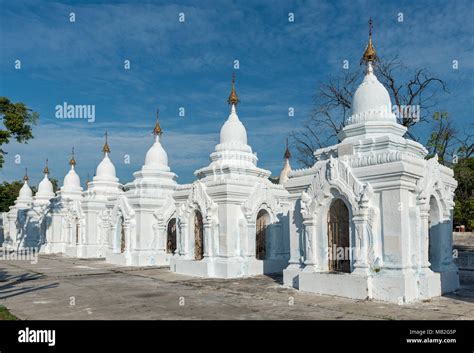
(373, 195)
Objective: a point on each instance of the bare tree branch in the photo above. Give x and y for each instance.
(413, 95)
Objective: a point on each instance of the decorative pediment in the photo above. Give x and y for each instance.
(261, 195)
(165, 212)
(449, 196)
(73, 211)
(123, 208)
(432, 184)
(198, 198)
(335, 173)
(105, 217)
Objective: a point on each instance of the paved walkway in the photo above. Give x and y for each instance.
(64, 288)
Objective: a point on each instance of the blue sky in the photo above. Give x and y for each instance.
(189, 64)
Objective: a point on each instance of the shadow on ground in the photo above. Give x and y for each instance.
(13, 284)
(465, 293)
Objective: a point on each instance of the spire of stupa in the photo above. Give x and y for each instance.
(106, 148)
(157, 131)
(370, 55)
(46, 169)
(72, 161)
(233, 98)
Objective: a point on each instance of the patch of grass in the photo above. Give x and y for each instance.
(386, 317)
(6, 315)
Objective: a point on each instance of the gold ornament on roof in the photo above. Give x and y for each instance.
(46, 169)
(233, 98)
(25, 178)
(72, 161)
(106, 148)
(369, 55)
(157, 130)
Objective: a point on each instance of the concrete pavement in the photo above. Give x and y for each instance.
(70, 289)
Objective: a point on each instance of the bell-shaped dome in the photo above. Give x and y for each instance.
(105, 169)
(371, 95)
(372, 114)
(233, 130)
(156, 156)
(45, 187)
(25, 192)
(72, 180)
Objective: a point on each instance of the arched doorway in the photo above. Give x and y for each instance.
(171, 236)
(434, 235)
(122, 235)
(260, 237)
(198, 236)
(338, 237)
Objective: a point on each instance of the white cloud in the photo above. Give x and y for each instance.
(55, 142)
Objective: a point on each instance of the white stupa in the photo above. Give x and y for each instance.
(232, 156)
(228, 218)
(71, 188)
(364, 214)
(25, 196)
(17, 215)
(45, 189)
(38, 216)
(105, 175)
(142, 219)
(92, 239)
(66, 214)
(156, 158)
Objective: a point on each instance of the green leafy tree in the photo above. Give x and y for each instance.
(464, 195)
(445, 142)
(55, 183)
(8, 194)
(17, 124)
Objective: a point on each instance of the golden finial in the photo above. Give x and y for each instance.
(72, 161)
(287, 151)
(106, 148)
(88, 179)
(157, 130)
(233, 99)
(25, 178)
(369, 55)
(46, 169)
